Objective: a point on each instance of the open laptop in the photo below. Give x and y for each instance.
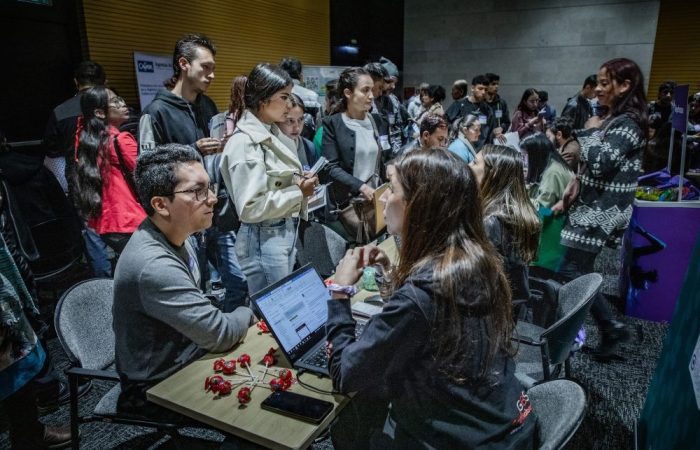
(295, 310)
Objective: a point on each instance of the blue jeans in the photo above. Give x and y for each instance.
(266, 251)
(221, 252)
(97, 253)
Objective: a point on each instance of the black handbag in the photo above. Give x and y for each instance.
(225, 214)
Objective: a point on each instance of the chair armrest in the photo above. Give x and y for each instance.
(527, 333)
(92, 373)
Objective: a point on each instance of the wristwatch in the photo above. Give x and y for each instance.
(347, 290)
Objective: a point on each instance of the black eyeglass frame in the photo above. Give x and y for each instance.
(213, 187)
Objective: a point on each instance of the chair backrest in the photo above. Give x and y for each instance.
(59, 243)
(83, 322)
(575, 299)
(320, 246)
(571, 293)
(560, 406)
(544, 300)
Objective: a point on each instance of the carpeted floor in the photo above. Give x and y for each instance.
(615, 391)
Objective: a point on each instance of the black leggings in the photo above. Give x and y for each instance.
(579, 262)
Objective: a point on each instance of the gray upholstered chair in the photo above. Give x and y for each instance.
(560, 406)
(320, 246)
(83, 322)
(542, 352)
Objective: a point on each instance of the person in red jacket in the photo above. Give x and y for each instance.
(105, 159)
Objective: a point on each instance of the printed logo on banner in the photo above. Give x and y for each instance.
(145, 66)
(679, 118)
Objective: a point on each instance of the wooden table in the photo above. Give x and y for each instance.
(184, 392)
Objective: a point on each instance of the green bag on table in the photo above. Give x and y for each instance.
(550, 251)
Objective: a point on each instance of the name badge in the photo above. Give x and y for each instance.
(499, 114)
(384, 142)
(482, 119)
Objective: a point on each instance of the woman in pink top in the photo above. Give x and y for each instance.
(527, 120)
(105, 160)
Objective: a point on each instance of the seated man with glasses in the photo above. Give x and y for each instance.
(161, 319)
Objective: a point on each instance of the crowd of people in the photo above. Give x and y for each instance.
(193, 198)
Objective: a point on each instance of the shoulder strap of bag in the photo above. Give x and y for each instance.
(377, 163)
(128, 177)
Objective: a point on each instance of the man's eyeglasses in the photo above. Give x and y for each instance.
(200, 194)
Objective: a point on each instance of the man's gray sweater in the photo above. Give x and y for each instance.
(161, 319)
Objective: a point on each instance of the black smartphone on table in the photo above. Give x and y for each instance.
(298, 406)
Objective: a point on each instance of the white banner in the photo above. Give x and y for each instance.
(151, 71)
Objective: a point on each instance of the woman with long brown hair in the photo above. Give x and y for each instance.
(441, 346)
(527, 120)
(511, 221)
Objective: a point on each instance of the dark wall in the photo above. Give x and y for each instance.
(41, 48)
(377, 26)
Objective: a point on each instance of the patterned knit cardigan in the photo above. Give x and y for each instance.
(603, 209)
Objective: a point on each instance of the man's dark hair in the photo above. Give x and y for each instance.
(591, 80)
(376, 71)
(89, 73)
(667, 86)
(155, 171)
(436, 92)
(480, 79)
(292, 66)
(544, 96)
(563, 124)
(432, 122)
(492, 77)
(186, 48)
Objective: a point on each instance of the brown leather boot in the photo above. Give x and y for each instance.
(56, 437)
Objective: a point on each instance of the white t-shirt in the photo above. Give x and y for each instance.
(366, 148)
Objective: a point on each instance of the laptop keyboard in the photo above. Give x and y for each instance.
(319, 358)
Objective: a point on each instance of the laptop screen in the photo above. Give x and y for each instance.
(295, 309)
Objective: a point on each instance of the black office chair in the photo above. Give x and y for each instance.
(321, 246)
(83, 322)
(542, 352)
(61, 261)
